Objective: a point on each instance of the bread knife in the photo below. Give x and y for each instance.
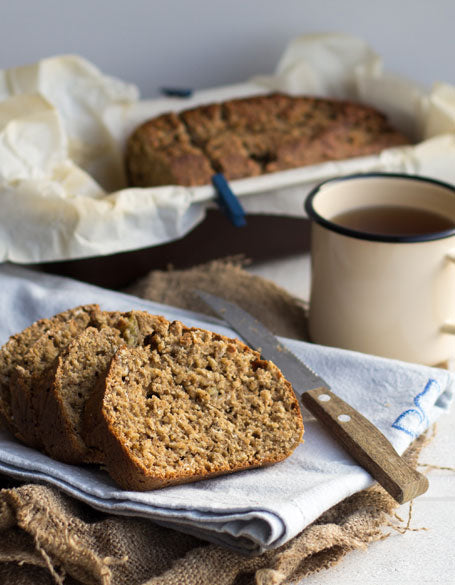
(359, 437)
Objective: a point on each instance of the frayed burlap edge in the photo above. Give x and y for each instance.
(47, 537)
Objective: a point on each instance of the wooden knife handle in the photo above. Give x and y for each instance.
(366, 444)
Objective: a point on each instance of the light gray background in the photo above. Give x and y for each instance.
(204, 43)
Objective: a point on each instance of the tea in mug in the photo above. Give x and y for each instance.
(392, 220)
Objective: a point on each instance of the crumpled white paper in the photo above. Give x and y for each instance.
(63, 125)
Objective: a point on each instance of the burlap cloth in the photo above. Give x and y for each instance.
(47, 537)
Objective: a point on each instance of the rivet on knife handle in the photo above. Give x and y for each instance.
(366, 444)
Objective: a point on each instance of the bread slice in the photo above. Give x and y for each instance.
(65, 388)
(13, 352)
(25, 380)
(190, 405)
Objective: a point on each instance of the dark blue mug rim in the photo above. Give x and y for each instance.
(315, 216)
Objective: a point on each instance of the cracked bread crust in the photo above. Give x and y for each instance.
(190, 405)
(247, 137)
(175, 158)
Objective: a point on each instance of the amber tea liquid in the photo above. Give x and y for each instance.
(393, 221)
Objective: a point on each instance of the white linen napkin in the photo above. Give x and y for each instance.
(249, 511)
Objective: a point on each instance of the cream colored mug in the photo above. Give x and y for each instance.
(388, 294)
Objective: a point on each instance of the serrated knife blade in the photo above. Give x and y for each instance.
(361, 439)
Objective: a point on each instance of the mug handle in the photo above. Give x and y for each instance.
(449, 327)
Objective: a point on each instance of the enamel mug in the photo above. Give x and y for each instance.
(391, 295)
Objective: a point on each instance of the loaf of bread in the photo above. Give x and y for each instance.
(251, 136)
(155, 402)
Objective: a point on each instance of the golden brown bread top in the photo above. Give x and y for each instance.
(247, 137)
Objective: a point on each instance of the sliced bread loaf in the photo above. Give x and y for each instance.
(250, 136)
(190, 405)
(13, 352)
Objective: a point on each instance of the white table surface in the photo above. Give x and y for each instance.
(419, 556)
